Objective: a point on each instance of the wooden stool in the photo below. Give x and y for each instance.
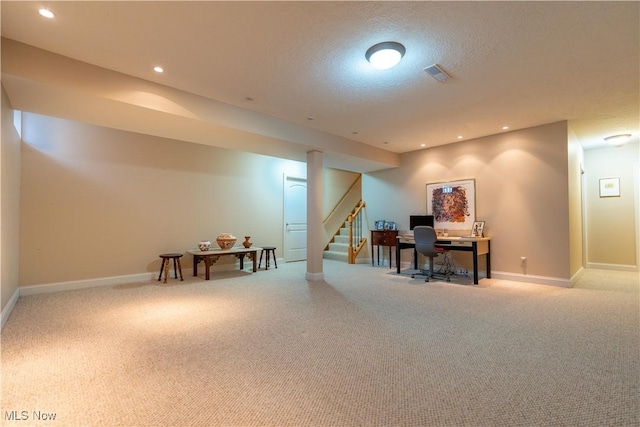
(269, 250)
(165, 266)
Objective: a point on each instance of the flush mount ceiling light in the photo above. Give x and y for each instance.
(385, 55)
(618, 139)
(158, 69)
(46, 13)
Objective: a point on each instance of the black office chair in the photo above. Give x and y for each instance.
(425, 238)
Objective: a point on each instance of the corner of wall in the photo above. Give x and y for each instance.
(10, 162)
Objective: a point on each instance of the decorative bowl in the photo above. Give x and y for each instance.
(226, 240)
(205, 245)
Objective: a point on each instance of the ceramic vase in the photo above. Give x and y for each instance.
(247, 243)
(226, 240)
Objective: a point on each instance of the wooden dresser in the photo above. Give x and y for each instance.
(383, 238)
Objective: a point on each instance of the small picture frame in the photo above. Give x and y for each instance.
(478, 229)
(390, 225)
(379, 225)
(610, 187)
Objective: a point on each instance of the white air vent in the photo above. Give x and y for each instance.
(437, 73)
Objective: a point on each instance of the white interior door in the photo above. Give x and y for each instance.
(295, 219)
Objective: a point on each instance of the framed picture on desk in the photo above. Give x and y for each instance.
(478, 229)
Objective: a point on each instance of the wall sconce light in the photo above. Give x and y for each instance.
(385, 55)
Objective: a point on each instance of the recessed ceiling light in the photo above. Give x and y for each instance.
(248, 98)
(505, 127)
(46, 13)
(385, 55)
(423, 145)
(618, 139)
(459, 136)
(354, 133)
(158, 69)
(310, 118)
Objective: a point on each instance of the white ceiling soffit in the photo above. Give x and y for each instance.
(520, 64)
(50, 84)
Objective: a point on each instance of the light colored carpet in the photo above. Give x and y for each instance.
(366, 347)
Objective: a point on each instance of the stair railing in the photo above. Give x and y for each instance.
(357, 239)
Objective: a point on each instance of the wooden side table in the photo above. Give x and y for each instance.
(383, 238)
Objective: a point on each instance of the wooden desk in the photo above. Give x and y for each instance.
(210, 257)
(383, 238)
(477, 245)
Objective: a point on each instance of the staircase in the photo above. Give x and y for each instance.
(346, 239)
(338, 250)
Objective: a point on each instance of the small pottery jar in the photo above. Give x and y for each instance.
(205, 245)
(226, 240)
(247, 243)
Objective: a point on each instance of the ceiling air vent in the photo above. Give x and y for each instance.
(437, 73)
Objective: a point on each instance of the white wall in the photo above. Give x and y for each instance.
(10, 203)
(576, 231)
(612, 222)
(98, 202)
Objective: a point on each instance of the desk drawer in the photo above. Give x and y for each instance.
(384, 237)
(449, 244)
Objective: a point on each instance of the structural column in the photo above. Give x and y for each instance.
(315, 245)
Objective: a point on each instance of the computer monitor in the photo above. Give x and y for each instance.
(415, 220)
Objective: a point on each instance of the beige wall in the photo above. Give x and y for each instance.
(576, 165)
(98, 202)
(521, 192)
(611, 222)
(10, 212)
(334, 186)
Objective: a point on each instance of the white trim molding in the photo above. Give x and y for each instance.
(529, 278)
(9, 307)
(314, 277)
(83, 284)
(514, 277)
(577, 275)
(616, 267)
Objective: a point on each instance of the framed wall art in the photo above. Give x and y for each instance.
(452, 204)
(610, 187)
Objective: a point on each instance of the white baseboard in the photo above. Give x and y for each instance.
(578, 274)
(116, 280)
(529, 278)
(9, 307)
(515, 277)
(314, 277)
(617, 267)
(83, 284)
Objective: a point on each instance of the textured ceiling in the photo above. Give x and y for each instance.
(519, 64)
